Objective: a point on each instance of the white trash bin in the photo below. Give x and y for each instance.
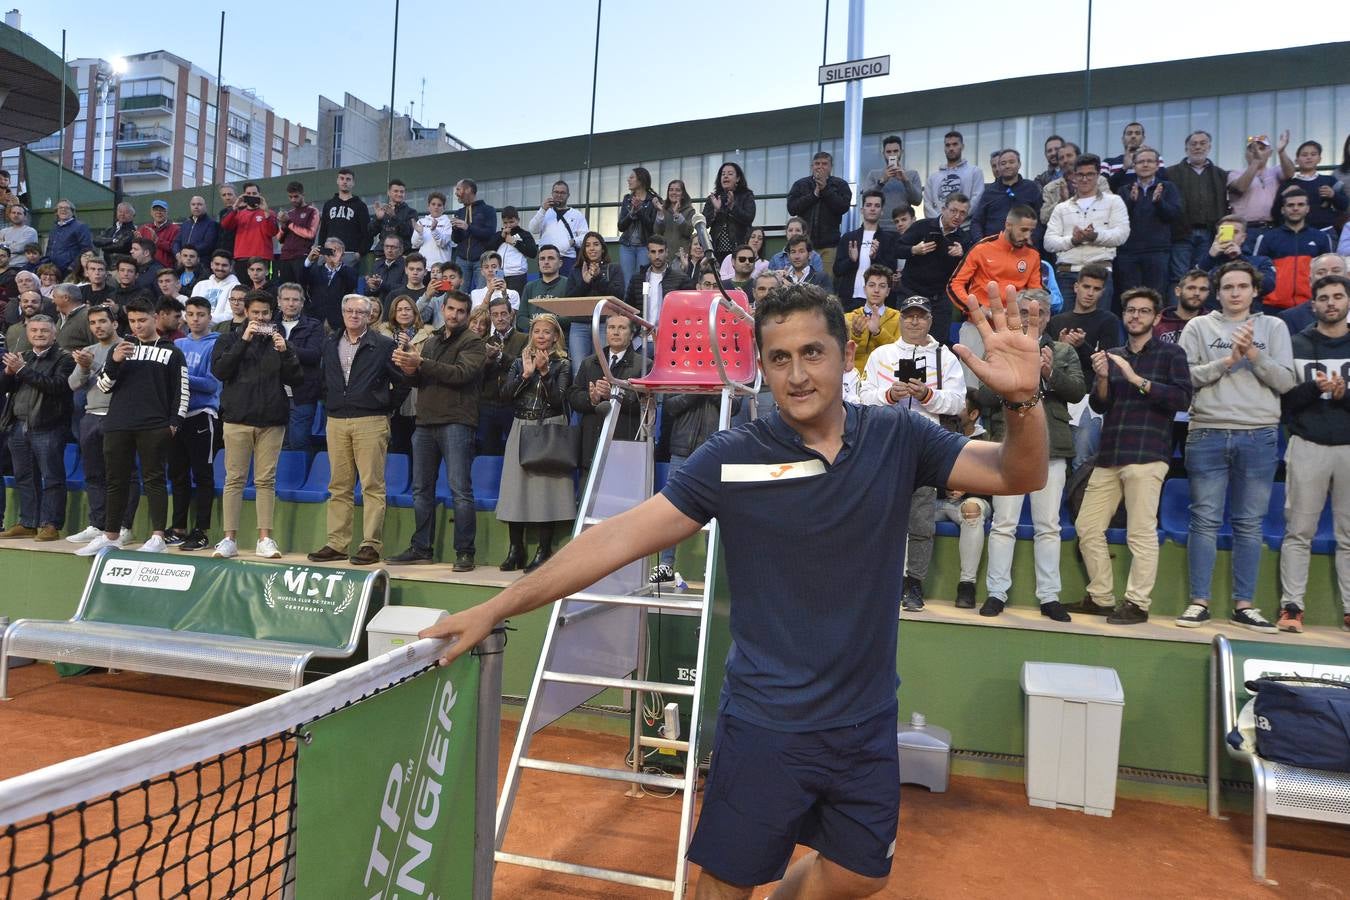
(1073, 736)
(396, 626)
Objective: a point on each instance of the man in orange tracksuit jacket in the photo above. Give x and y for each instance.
(1006, 258)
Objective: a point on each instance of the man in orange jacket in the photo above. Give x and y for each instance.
(1006, 258)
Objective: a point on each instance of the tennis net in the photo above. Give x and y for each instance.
(216, 808)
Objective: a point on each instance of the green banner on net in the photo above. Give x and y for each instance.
(386, 787)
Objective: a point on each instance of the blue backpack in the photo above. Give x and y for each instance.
(1303, 722)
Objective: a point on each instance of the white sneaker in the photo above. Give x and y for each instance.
(226, 549)
(85, 536)
(97, 544)
(123, 537)
(156, 544)
(267, 549)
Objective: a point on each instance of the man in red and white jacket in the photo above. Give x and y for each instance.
(162, 231)
(254, 225)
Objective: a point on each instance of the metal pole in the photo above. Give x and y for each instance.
(853, 109)
(590, 131)
(62, 157)
(393, 80)
(824, 61)
(104, 89)
(218, 152)
(1087, 79)
(489, 656)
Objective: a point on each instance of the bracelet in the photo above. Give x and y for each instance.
(1021, 408)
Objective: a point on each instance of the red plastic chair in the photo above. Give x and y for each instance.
(684, 362)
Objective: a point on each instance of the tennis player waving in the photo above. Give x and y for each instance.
(805, 748)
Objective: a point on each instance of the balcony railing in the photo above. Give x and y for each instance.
(130, 136)
(150, 103)
(239, 134)
(150, 167)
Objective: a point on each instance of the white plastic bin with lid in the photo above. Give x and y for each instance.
(397, 626)
(1073, 736)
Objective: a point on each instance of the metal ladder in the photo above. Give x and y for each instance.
(597, 640)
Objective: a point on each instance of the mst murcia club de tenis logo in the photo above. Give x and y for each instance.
(309, 591)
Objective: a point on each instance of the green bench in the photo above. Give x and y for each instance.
(247, 623)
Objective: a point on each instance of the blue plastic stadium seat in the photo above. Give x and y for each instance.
(487, 481)
(74, 468)
(947, 529)
(320, 428)
(292, 467)
(315, 488)
(1272, 526)
(397, 480)
(218, 464)
(1026, 529)
(660, 477)
(1175, 514)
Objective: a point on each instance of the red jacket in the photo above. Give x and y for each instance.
(253, 232)
(163, 236)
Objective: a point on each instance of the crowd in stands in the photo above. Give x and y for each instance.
(1188, 315)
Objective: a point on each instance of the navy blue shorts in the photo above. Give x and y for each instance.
(836, 791)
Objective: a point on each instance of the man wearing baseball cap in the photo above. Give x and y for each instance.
(162, 231)
(920, 374)
(1251, 191)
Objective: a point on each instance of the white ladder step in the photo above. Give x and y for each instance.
(622, 684)
(664, 601)
(588, 521)
(552, 865)
(668, 782)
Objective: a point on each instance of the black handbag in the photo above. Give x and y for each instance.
(550, 449)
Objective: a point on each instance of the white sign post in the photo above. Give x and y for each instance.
(855, 69)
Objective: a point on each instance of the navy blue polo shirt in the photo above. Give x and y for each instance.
(815, 559)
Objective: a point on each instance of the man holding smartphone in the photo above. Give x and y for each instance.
(254, 225)
(900, 186)
(918, 373)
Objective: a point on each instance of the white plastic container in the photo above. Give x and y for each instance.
(925, 754)
(395, 626)
(1073, 718)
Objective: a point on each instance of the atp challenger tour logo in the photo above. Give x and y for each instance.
(155, 576)
(409, 809)
(307, 591)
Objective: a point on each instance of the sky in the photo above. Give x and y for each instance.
(499, 74)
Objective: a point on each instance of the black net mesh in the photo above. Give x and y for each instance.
(219, 828)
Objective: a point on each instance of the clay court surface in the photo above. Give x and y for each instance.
(980, 839)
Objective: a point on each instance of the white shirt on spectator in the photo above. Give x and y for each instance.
(217, 293)
(433, 241)
(479, 295)
(864, 261)
(1106, 213)
(550, 230)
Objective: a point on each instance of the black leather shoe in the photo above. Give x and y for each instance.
(992, 607)
(365, 556)
(1056, 611)
(965, 595)
(1086, 605)
(410, 557)
(515, 558)
(326, 554)
(1128, 613)
(463, 562)
(540, 557)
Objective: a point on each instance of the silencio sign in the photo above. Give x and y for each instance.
(855, 69)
